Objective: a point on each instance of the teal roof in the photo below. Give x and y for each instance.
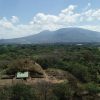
(22, 74)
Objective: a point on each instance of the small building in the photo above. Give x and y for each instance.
(22, 75)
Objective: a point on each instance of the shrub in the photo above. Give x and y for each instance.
(93, 88)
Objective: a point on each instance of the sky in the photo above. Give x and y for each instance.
(19, 18)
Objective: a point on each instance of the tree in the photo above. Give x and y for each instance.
(63, 91)
(22, 92)
(44, 90)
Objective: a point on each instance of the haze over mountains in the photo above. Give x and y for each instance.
(64, 35)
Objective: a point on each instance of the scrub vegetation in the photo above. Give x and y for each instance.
(80, 61)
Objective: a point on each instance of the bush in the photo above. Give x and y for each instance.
(17, 92)
(80, 71)
(63, 91)
(93, 88)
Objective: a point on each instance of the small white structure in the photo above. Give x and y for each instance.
(22, 75)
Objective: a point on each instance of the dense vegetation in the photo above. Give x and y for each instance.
(82, 61)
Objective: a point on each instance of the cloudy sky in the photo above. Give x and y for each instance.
(20, 18)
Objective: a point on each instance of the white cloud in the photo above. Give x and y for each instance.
(87, 6)
(91, 27)
(67, 17)
(69, 10)
(4, 23)
(14, 19)
(64, 18)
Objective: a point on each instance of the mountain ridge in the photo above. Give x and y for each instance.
(64, 35)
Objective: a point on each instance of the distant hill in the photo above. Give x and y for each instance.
(64, 35)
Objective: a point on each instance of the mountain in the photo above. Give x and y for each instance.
(64, 35)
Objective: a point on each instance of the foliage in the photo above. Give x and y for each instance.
(93, 88)
(82, 61)
(17, 92)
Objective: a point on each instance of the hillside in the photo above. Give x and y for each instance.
(64, 35)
